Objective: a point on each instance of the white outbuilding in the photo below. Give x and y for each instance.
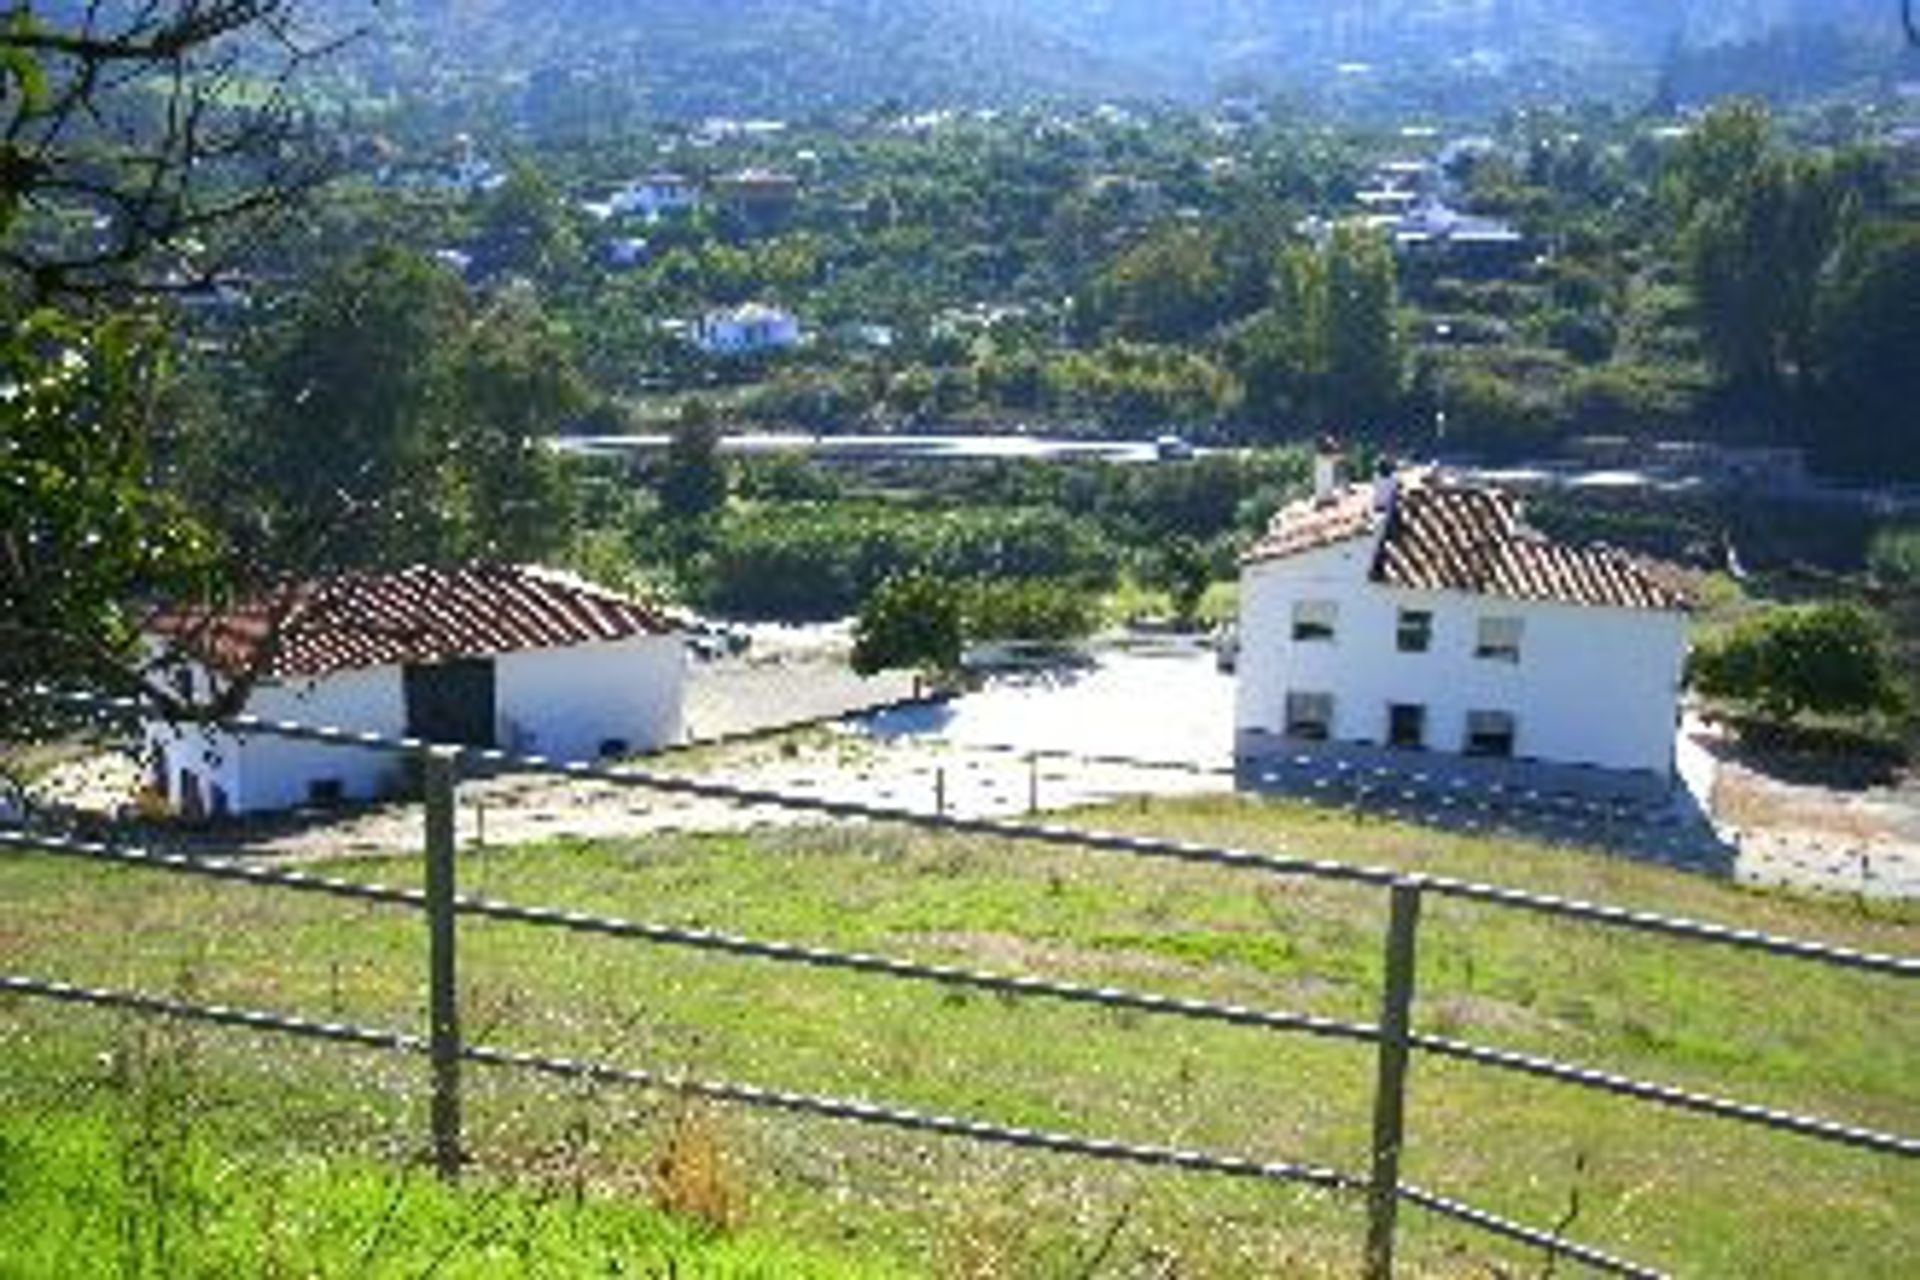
(509, 656)
(751, 329)
(1418, 623)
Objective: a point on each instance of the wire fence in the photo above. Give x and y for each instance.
(1391, 1035)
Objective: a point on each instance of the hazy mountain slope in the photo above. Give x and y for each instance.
(555, 63)
(1212, 41)
(746, 56)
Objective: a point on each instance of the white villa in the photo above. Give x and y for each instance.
(746, 330)
(655, 196)
(1420, 623)
(510, 656)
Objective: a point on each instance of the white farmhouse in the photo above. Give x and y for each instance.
(746, 330)
(483, 655)
(1418, 622)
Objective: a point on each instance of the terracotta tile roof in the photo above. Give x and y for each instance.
(1446, 537)
(1308, 525)
(420, 614)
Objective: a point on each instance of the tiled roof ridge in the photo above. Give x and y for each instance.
(419, 613)
(1440, 533)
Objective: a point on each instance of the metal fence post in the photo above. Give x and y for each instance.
(1390, 1088)
(440, 771)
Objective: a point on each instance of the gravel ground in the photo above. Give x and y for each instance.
(1804, 836)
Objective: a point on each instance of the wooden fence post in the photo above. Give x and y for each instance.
(1390, 1088)
(440, 772)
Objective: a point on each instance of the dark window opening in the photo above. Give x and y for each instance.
(1314, 619)
(612, 748)
(1490, 733)
(1406, 726)
(326, 791)
(1499, 639)
(1310, 716)
(1416, 630)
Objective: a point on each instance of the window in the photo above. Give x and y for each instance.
(1490, 733)
(1314, 619)
(1310, 716)
(1416, 630)
(1406, 725)
(1499, 639)
(326, 791)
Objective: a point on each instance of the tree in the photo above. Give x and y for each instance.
(1365, 363)
(694, 481)
(1756, 256)
(401, 422)
(1184, 569)
(141, 146)
(911, 620)
(140, 141)
(1830, 659)
(1327, 353)
(1868, 332)
(1167, 288)
(82, 529)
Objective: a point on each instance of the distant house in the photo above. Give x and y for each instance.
(507, 656)
(752, 329)
(1420, 622)
(624, 253)
(655, 196)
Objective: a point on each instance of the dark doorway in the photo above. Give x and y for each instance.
(452, 702)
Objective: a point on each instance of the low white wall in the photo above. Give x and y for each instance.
(566, 703)
(261, 772)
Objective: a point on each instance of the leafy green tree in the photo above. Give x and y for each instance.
(83, 530)
(1167, 288)
(693, 482)
(1043, 609)
(119, 123)
(1831, 659)
(1282, 354)
(911, 620)
(1718, 154)
(1327, 353)
(1756, 256)
(1365, 362)
(1187, 575)
(1868, 336)
(401, 424)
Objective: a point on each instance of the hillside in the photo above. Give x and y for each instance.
(742, 57)
(564, 65)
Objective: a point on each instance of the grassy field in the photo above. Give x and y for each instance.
(1699, 1196)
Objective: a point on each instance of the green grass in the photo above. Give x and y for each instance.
(1699, 1196)
(117, 1189)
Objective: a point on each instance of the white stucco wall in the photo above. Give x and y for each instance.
(1594, 687)
(567, 702)
(563, 703)
(262, 773)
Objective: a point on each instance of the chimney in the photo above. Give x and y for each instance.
(1326, 468)
(1386, 487)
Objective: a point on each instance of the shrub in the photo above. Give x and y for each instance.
(1833, 658)
(1894, 556)
(1040, 610)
